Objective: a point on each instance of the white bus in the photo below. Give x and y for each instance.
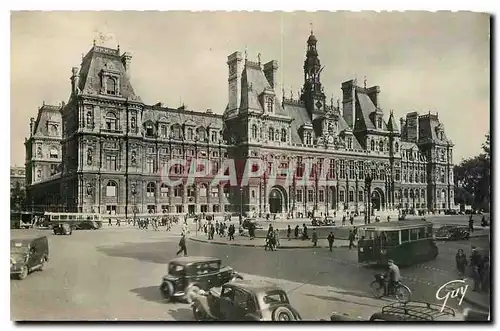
(76, 220)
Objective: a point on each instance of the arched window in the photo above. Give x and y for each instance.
(308, 138)
(111, 189)
(111, 123)
(150, 132)
(254, 131)
(422, 177)
(372, 145)
(53, 130)
(201, 133)
(150, 189)
(396, 147)
(381, 145)
(133, 122)
(379, 123)
(189, 134)
(111, 86)
(271, 134)
(283, 135)
(411, 194)
(406, 193)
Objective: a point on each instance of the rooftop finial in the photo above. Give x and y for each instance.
(364, 82)
(94, 42)
(311, 25)
(291, 94)
(283, 92)
(338, 103)
(331, 101)
(118, 48)
(258, 57)
(246, 53)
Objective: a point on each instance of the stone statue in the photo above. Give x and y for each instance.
(133, 158)
(90, 189)
(89, 156)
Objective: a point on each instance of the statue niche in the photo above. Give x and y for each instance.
(89, 156)
(133, 158)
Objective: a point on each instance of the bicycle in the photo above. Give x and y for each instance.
(379, 287)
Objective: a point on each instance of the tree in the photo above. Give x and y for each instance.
(17, 197)
(473, 179)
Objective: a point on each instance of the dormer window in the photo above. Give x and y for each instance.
(163, 131)
(214, 136)
(381, 146)
(110, 86)
(149, 130)
(379, 123)
(308, 138)
(349, 143)
(372, 145)
(269, 104)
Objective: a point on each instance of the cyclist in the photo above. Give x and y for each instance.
(393, 276)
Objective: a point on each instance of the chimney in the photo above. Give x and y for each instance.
(209, 111)
(74, 80)
(126, 59)
(235, 64)
(270, 70)
(373, 94)
(349, 102)
(32, 126)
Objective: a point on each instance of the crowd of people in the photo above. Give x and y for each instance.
(479, 268)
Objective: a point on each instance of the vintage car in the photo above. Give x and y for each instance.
(415, 311)
(452, 232)
(194, 273)
(87, 225)
(246, 223)
(28, 254)
(244, 300)
(62, 228)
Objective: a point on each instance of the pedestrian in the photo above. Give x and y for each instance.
(315, 238)
(212, 232)
(305, 236)
(182, 245)
(109, 222)
(289, 232)
(461, 261)
(277, 238)
(351, 219)
(296, 232)
(471, 223)
(476, 264)
(269, 241)
(351, 239)
(388, 218)
(217, 227)
(331, 239)
(343, 220)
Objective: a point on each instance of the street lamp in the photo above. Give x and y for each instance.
(368, 184)
(134, 192)
(241, 204)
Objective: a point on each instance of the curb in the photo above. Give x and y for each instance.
(261, 245)
(477, 304)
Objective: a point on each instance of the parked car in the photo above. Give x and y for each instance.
(193, 273)
(416, 312)
(28, 254)
(62, 228)
(452, 232)
(247, 221)
(244, 300)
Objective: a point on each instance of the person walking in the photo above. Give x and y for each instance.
(315, 238)
(182, 245)
(305, 236)
(351, 239)
(351, 219)
(343, 220)
(461, 261)
(217, 227)
(331, 239)
(471, 223)
(231, 231)
(296, 232)
(212, 232)
(277, 238)
(289, 232)
(476, 262)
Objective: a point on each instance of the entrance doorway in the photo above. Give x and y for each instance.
(377, 200)
(277, 202)
(190, 209)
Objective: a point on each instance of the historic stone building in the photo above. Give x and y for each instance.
(114, 148)
(17, 177)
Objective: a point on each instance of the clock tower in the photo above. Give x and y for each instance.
(312, 92)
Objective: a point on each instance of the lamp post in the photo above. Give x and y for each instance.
(134, 192)
(368, 184)
(241, 204)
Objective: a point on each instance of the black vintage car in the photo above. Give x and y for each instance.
(245, 300)
(246, 223)
(28, 254)
(190, 274)
(87, 225)
(62, 228)
(452, 232)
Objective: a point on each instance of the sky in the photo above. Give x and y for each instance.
(437, 62)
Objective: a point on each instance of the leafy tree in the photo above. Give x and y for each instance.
(17, 197)
(473, 179)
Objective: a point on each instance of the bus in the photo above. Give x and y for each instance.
(404, 242)
(76, 220)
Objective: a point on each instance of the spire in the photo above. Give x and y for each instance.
(311, 25)
(258, 57)
(391, 124)
(364, 82)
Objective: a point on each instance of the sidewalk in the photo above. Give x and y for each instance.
(260, 242)
(481, 300)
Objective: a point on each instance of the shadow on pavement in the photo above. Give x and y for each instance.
(181, 314)
(150, 293)
(330, 298)
(156, 252)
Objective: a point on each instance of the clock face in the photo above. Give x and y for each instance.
(319, 105)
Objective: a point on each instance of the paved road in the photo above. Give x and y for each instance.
(114, 274)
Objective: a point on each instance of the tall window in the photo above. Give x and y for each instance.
(214, 192)
(351, 196)
(271, 134)
(163, 131)
(176, 132)
(203, 191)
(110, 86)
(164, 190)
(270, 105)
(352, 170)
(298, 196)
(331, 169)
(189, 134)
(310, 195)
(283, 135)
(178, 190)
(349, 143)
(396, 147)
(226, 190)
(360, 196)
(308, 138)
(321, 196)
(379, 123)
(201, 133)
(372, 145)
(214, 136)
(149, 130)
(111, 189)
(111, 122)
(342, 169)
(381, 145)
(111, 162)
(150, 165)
(342, 196)
(254, 131)
(150, 189)
(190, 192)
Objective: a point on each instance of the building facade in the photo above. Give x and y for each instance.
(113, 149)
(17, 177)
